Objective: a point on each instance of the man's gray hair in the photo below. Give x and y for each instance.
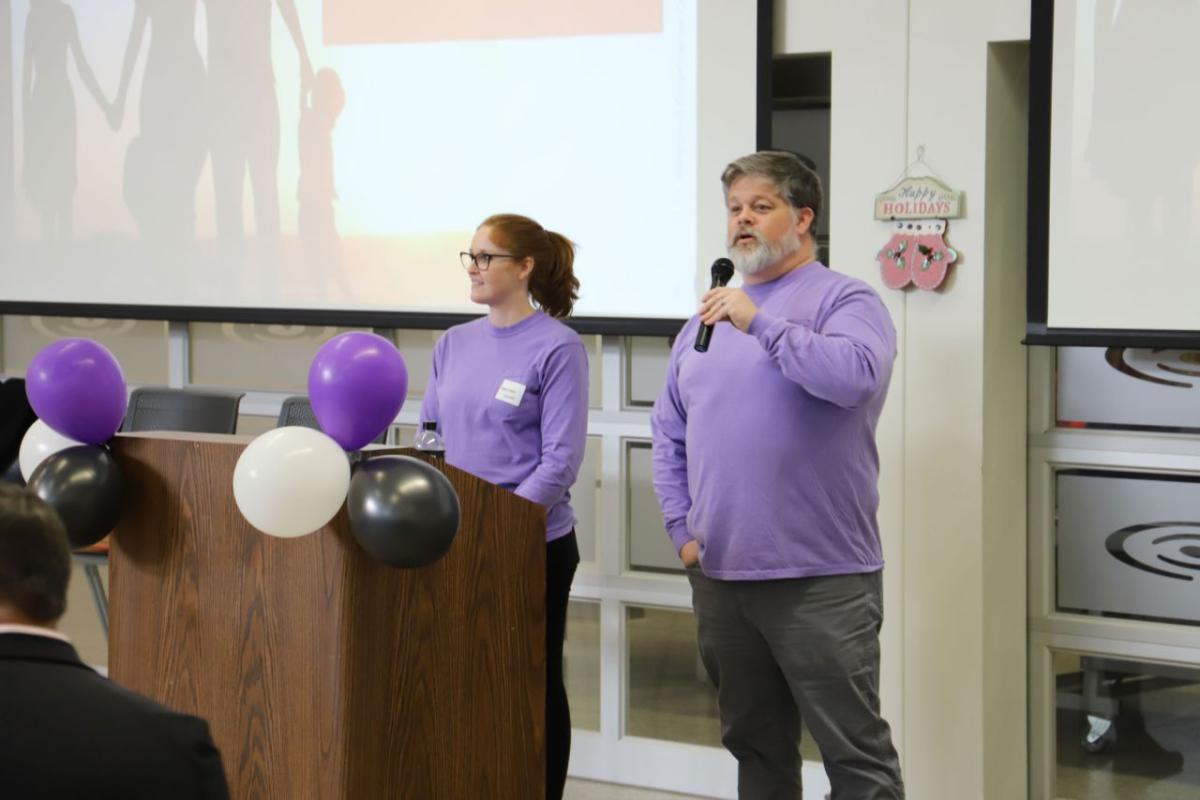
(797, 181)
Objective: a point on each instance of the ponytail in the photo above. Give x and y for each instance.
(553, 284)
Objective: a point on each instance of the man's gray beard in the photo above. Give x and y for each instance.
(765, 255)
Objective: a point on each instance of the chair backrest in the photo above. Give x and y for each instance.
(297, 410)
(191, 410)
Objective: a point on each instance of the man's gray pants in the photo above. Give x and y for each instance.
(782, 650)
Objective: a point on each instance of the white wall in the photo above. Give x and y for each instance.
(907, 75)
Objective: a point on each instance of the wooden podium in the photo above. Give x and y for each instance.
(322, 673)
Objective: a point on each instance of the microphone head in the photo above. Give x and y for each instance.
(722, 271)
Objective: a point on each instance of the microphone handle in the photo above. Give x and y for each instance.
(704, 334)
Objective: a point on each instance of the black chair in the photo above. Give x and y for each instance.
(190, 410)
(162, 409)
(297, 410)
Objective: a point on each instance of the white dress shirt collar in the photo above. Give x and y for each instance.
(34, 630)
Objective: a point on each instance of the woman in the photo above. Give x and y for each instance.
(509, 393)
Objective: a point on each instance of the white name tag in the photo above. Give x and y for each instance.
(511, 392)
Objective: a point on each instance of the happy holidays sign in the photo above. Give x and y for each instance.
(916, 254)
(919, 198)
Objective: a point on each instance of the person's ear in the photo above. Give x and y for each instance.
(526, 268)
(804, 220)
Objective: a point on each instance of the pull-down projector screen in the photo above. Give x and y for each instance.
(338, 154)
(1120, 226)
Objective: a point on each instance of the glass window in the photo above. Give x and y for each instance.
(1137, 388)
(581, 664)
(1128, 544)
(669, 694)
(1125, 729)
(649, 547)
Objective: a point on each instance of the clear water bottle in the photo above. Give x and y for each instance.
(428, 440)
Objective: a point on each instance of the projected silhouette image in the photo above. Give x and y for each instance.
(317, 154)
(244, 111)
(164, 160)
(49, 169)
(316, 221)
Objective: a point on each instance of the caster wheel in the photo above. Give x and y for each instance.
(1099, 735)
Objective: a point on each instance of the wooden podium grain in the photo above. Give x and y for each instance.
(322, 673)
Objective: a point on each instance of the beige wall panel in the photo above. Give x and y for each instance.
(253, 425)
(646, 359)
(595, 373)
(1004, 411)
(140, 345)
(585, 496)
(649, 546)
(417, 348)
(264, 358)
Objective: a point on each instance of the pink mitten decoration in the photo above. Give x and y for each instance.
(917, 252)
(933, 256)
(893, 259)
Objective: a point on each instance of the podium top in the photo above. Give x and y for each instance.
(187, 436)
(238, 438)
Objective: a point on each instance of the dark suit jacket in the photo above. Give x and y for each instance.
(67, 732)
(16, 415)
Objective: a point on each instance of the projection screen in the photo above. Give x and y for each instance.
(1114, 172)
(336, 155)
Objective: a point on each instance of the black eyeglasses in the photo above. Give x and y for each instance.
(481, 260)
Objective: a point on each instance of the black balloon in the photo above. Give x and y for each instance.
(83, 484)
(403, 511)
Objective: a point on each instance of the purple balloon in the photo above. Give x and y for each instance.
(77, 388)
(357, 384)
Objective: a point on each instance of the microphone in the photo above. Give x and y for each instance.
(722, 271)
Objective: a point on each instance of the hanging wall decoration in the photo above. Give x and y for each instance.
(919, 208)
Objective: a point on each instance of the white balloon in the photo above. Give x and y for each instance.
(40, 442)
(291, 481)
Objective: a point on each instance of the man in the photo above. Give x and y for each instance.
(766, 469)
(68, 732)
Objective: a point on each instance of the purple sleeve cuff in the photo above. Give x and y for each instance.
(679, 534)
(760, 324)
